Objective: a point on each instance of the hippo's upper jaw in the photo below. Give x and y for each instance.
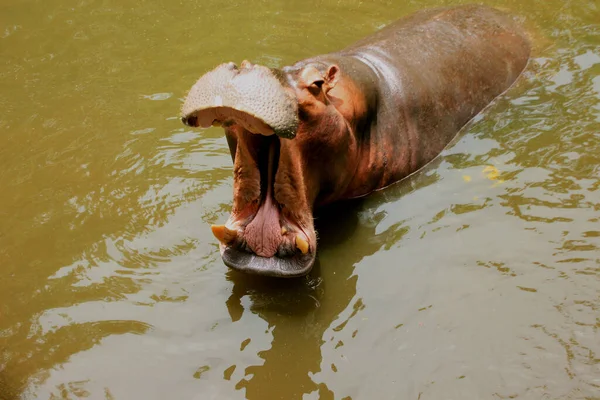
(251, 95)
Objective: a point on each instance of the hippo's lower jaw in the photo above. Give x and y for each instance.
(286, 267)
(294, 256)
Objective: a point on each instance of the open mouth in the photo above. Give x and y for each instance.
(267, 241)
(263, 235)
(262, 238)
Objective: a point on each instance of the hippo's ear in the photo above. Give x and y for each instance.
(331, 77)
(324, 79)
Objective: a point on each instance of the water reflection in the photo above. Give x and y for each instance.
(298, 312)
(309, 315)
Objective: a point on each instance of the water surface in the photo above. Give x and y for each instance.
(477, 278)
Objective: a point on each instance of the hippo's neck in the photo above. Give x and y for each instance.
(382, 158)
(364, 95)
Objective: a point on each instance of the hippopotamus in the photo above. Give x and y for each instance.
(344, 124)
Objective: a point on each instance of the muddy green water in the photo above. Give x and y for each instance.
(478, 278)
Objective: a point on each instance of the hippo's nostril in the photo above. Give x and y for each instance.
(192, 120)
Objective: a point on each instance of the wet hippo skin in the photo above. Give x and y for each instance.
(344, 124)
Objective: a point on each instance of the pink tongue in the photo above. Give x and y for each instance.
(263, 234)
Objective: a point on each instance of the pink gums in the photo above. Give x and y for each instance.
(263, 234)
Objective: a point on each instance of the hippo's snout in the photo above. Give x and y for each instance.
(252, 96)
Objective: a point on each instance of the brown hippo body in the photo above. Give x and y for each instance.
(347, 123)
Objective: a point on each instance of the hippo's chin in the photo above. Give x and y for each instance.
(289, 267)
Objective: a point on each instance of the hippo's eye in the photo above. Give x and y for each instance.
(316, 87)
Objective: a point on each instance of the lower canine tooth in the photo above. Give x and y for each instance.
(302, 245)
(223, 234)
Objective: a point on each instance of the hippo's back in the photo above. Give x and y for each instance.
(439, 26)
(435, 70)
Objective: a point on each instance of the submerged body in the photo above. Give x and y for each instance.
(345, 124)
